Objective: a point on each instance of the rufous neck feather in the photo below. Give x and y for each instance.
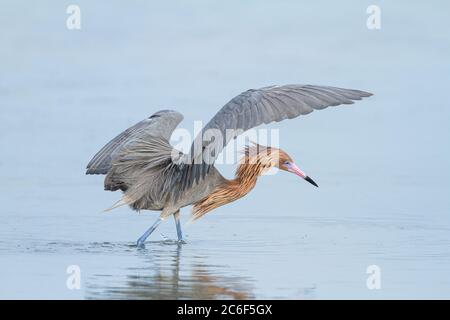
(255, 162)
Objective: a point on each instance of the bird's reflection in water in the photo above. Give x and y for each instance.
(165, 275)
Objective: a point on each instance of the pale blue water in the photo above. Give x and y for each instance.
(382, 164)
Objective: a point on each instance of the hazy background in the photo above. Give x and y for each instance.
(382, 164)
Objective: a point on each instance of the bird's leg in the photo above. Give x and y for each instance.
(176, 216)
(155, 225)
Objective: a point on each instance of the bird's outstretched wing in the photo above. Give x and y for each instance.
(257, 106)
(161, 124)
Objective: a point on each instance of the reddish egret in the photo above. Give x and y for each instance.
(154, 176)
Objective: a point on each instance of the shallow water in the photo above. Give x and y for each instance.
(382, 164)
(233, 257)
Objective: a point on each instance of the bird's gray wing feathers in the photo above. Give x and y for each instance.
(257, 106)
(161, 124)
(146, 170)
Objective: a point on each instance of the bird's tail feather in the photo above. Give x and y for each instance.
(122, 202)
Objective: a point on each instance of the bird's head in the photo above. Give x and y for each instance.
(286, 163)
(268, 157)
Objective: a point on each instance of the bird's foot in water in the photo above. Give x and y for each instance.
(140, 243)
(141, 240)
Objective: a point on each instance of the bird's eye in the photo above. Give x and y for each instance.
(286, 163)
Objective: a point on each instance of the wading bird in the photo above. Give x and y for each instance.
(154, 176)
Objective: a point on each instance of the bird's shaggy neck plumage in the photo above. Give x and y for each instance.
(255, 162)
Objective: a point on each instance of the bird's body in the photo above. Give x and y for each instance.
(154, 176)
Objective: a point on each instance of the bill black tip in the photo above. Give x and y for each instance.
(311, 181)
